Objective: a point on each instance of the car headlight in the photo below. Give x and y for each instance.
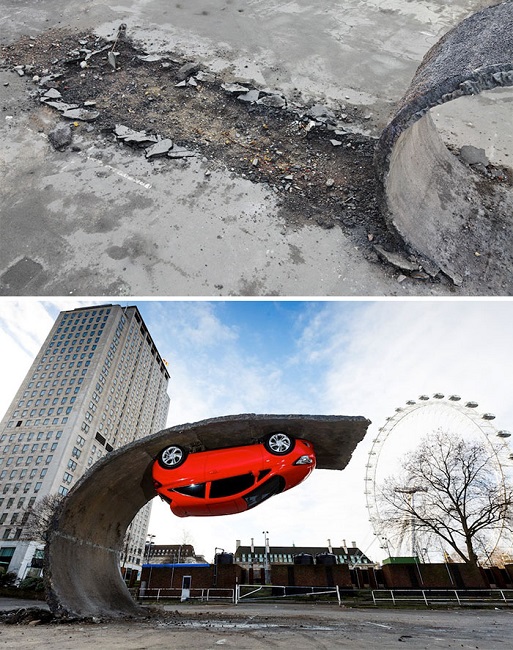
(304, 460)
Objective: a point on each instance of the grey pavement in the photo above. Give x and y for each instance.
(283, 625)
(105, 221)
(8, 604)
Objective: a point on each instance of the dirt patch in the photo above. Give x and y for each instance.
(318, 162)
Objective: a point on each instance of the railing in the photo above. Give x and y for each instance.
(204, 595)
(444, 596)
(271, 592)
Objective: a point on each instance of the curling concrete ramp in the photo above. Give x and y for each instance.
(86, 534)
(454, 219)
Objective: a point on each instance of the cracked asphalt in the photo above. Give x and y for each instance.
(284, 625)
(100, 218)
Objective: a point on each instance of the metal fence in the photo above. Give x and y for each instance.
(272, 592)
(462, 597)
(204, 595)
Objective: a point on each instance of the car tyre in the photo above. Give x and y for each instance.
(172, 457)
(279, 443)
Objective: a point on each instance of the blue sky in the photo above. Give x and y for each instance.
(324, 357)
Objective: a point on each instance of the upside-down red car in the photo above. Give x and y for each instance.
(230, 480)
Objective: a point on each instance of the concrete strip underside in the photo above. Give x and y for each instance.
(86, 534)
(429, 197)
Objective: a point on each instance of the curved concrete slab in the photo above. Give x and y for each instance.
(438, 206)
(86, 534)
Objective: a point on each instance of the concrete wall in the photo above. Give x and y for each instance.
(86, 534)
(428, 196)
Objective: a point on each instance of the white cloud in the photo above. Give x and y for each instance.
(350, 359)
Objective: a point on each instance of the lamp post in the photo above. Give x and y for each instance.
(216, 554)
(267, 572)
(411, 491)
(149, 544)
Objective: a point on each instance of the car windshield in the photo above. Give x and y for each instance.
(226, 487)
(264, 491)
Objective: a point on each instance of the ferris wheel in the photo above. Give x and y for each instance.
(402, 432)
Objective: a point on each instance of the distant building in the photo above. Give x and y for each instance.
(97, 383)
(171, 554)
(254, 556)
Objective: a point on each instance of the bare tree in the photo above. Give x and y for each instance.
(187, 538)
(39, 517)
(449, 488)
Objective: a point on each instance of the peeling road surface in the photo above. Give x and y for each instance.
(268, 205)
(251, 627)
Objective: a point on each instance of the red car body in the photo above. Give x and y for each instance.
(230, 480)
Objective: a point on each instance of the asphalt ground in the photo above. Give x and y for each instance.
(101, 219)
(255, 626)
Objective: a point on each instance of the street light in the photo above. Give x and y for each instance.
(411, 491)
(267, 572)
(149, 544)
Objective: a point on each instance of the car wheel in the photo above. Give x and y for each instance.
(279, 443)
(172, 456)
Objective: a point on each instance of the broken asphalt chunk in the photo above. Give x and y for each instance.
(181, 152)
(205, 76)
(60, 106)
(120, 131)
(250, 96)
(51, 93)
(48, 78)
(273, 101)
(94, 52)
(399, 261)
(321, 114)
(160, 148)
(60, 136)
(126, 134)
(473, 155)
(234, 88)
(112, 58)
(187, 70)
(149, 58)
(81, 114)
